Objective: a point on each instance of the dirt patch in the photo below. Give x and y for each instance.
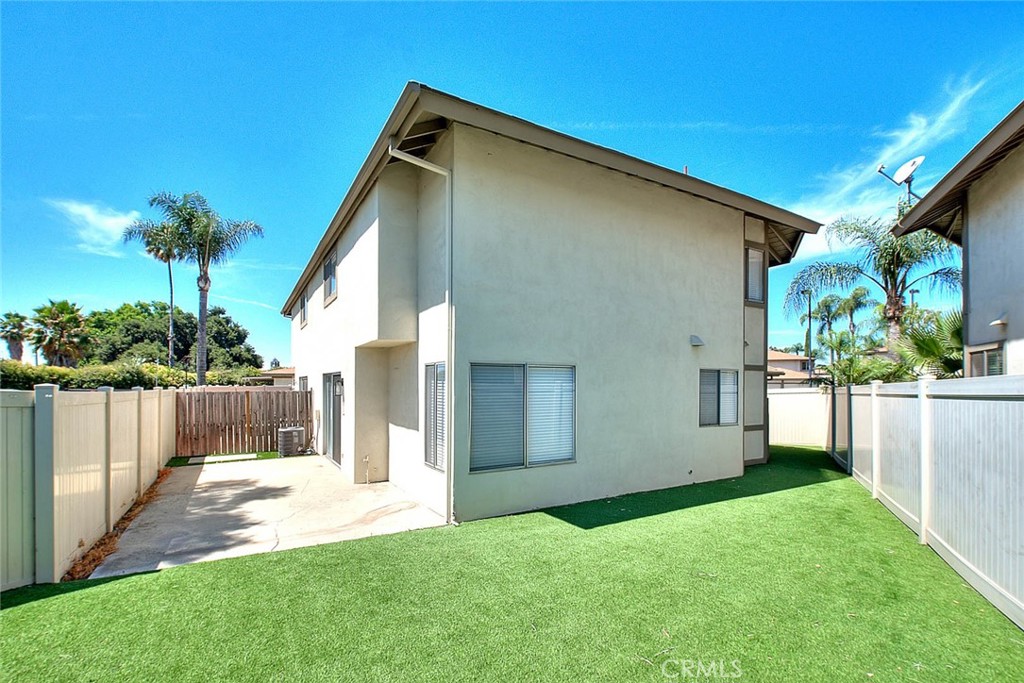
(108, 543)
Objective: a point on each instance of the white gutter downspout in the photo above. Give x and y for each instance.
(450, 360)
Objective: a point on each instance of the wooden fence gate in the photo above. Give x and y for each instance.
(239, 419)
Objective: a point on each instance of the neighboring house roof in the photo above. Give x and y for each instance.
(279, 372)
(777, 373)
(942, 209)
(422, 114)
(782, 355)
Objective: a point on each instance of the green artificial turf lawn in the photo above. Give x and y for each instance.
(182, 460)
(791, 571)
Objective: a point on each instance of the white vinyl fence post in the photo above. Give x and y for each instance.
(45, 433)
(849, 429)
(876, 439)
(139, 440)
(925, 405)
(109, 440)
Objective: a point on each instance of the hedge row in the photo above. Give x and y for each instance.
(15, 375)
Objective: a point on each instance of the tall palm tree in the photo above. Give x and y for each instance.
(825, 314)
(207, 240)
(58, 330)
(893, 264)
(163, 241)
(12, 331)
(858, 300)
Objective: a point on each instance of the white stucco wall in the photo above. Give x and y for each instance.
(995, 245)
(560, 261)
(388, 320)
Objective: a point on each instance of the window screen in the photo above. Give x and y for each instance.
(719, 397)
(303, 309)
(303, 384)
(434, 415)
(755, 275)
(496, 426)
(551, 397)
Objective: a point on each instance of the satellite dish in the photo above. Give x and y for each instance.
(904, 175)
(907, 170)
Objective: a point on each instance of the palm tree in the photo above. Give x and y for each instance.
(12, 331)
(58, 330)
(207, 240)
(858, 300)
(825, 313)
(893, 264)
(937, 349)
(163, 241)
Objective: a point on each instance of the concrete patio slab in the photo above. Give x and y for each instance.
(231, 509)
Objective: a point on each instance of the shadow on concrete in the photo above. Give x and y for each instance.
(787, 468)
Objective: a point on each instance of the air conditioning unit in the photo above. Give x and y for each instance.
(290, 440)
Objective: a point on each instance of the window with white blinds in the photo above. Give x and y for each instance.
(755, 275)
(550, 419)
(719, 397)
(521, 415)
(434, 415)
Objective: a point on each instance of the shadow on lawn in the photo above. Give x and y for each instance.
(788, 468)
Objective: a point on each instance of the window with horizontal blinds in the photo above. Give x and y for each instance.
(755, 275)
(728, 397)
(550, 419)
(434, 415)
(440, 414)
(496, 425)
(719, 397)
(708, 397)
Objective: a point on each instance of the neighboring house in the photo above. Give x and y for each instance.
(278, 377)
(980, 206)
(786, 369)
(501, 317)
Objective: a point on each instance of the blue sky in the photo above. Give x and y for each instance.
(269, 109)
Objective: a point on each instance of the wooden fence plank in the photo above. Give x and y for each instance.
(239, 419)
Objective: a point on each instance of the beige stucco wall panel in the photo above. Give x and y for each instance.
(559, 261)
(754, 229)
(754, 335)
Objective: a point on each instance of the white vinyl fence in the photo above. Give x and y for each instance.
(73, 463)
(803, 417)
(947, 458)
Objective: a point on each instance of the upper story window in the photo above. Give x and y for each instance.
(755, 275)
(303, 309)
(330, 278)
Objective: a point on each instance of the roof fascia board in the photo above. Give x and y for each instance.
(977, 156)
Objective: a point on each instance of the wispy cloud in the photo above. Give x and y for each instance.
(97, 227)
(249, 302)
(857, 189)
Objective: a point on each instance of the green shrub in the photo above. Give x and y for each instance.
(15, 375)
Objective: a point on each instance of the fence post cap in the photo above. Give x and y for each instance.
(104, 388)
(877, 382)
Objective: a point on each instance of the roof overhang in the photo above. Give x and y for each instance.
(422, 114)
(942, 209)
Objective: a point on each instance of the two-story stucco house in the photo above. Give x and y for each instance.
(501, 317)
(979, 205)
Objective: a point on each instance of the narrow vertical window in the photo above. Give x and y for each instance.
(303, 309)
(303, 384)
(330, 278)
(755, 275)
(497, 427)
(434, 415)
